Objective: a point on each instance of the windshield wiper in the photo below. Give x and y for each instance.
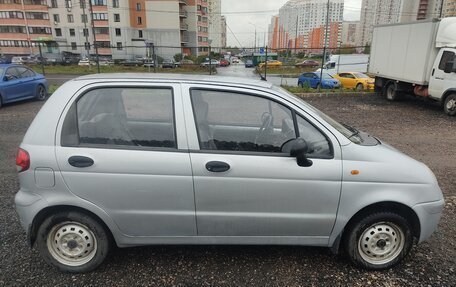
(354, 131)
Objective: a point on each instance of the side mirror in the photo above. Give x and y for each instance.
(449, 67)
(298, 148)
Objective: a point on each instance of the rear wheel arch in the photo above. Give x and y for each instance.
(49, 211)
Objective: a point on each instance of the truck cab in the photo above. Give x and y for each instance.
(442, 83)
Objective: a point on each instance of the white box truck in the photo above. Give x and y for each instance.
(416, 58)
(346, 63)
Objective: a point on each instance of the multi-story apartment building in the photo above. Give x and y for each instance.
(215, 24)
(349, 29)
(273, 33)
(297, 18)
(377, 12)
(22, 23)
(449, 8)
(121, 29)
(223, 30)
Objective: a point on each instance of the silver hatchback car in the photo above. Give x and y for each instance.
(135, 159)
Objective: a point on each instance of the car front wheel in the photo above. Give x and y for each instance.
(379, 241)
(73, 242)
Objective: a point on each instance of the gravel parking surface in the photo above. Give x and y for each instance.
(418, 128)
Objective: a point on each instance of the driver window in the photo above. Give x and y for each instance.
(12, 74)
(231, 121)
(319, 146)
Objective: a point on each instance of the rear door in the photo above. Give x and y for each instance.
(13, 88)
(122, 147)
(27, 81)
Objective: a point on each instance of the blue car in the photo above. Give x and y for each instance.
(312, 79)
(20, 83)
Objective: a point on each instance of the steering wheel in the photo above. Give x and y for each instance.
(266, 124)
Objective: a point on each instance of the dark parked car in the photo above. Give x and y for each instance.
(249, 64)
(308, 64)
(20, 83)
(168, 63)
(132, 63)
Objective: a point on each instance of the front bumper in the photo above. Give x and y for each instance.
(429, 214)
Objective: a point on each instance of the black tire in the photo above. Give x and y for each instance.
(41, 93)
(51, 235)
(391, 92)
(388, 231)
(449, 106)
(1, 104)
(359, 87)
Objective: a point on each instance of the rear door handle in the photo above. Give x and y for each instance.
(80, 161)
(217, 166)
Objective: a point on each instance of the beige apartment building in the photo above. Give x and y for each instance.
(121, 29)
(449, 8)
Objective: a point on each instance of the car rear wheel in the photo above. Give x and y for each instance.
(359, 87)
(73, 242)
(41, 93)
(450, 105)
(379, 241)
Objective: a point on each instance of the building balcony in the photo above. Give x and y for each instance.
(101, 23)
(183, 27)
(102, 37)
(183, 14)
(13, 36)
(38, 22)
(104, 51)
(183, 2)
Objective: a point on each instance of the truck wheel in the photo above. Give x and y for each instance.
(450, 105)
(379, 241)
(391, 92)
(73, 242)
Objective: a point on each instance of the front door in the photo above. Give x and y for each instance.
(439, 79)
(121, 148)
(244, 185)
(14, 90)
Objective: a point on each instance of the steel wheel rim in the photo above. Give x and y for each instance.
(41, 93)
(390, 93)
(359, 87)
(381, 243)
(451, 105)
(72, 243)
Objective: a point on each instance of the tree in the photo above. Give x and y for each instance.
(178, 57)
(367, 49)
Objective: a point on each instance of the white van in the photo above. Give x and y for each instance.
(346, 63)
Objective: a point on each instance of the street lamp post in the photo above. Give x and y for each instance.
(210, 58)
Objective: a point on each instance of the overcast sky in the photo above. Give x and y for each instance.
(258, 13)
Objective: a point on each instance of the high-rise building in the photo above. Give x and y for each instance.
(122, 28)
(223, 28)
(348, 37)
(215, 24)
(273, 33)
(377, 12)
(449, 8)
(297, 18)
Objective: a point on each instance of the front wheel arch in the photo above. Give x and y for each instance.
(392, 206)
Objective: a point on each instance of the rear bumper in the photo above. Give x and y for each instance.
(429, 214)
(27, 206)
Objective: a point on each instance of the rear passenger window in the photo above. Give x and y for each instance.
(141, 117)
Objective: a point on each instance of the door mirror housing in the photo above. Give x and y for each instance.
(298, 148)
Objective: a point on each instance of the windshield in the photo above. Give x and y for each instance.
(361, 76)
(349, 132)
(327, 76)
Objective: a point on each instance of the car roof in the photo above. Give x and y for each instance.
(176, 78)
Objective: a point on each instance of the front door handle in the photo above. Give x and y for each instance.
(80, 161)
(217, 166)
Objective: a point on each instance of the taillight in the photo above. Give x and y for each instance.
(22, 160)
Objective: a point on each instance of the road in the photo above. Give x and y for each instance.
(238, 70)
(415, 127)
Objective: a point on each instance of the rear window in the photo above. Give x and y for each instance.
(124, 117)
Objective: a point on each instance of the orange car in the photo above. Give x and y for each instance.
(355, 80)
